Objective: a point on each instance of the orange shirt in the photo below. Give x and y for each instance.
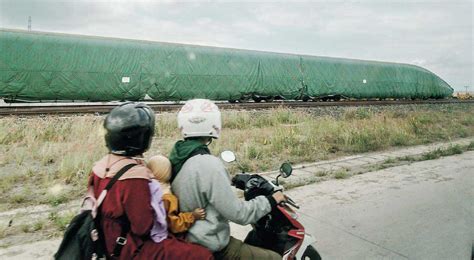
(178, 222)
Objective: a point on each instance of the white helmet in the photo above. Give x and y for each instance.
(199, 117)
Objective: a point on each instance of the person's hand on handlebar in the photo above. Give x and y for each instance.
(279, 197)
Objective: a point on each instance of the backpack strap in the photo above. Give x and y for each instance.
(119, 174)
(122, 239)
(112, 182)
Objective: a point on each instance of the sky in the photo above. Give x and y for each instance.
(434, 34)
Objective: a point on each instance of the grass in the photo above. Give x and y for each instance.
(431, 155)
(47, 160)
(33, 227)
(59, 222)
(52, 225)
(470, 147)
(452, 150)
(341, 174)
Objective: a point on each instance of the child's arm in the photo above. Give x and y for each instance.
(177, 222)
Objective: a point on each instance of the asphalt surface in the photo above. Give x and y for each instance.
(420, 211)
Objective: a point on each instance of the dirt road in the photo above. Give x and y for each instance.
(420, 211)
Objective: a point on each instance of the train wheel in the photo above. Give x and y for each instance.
(305, 99)
(232, 101)
(270, 99)
(257, 99)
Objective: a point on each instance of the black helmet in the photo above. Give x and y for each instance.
(130, 128)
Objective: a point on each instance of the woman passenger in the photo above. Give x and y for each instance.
(126, 215)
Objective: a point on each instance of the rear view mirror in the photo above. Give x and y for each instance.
(228, 156)
(286, 170)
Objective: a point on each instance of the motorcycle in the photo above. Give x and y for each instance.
(279, 230)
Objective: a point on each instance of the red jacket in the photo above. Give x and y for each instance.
(130, 197)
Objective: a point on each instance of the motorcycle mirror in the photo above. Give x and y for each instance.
(286, 170)
(228, 156)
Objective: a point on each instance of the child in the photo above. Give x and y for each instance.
(177, 222)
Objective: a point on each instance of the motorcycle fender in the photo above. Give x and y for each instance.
(307, 241)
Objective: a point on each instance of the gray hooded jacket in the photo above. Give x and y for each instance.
(203, 182)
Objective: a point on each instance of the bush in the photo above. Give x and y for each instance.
(341, 174)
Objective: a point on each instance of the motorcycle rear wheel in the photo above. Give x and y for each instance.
(311, 254)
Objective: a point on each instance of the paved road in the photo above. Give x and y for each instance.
(418, 211)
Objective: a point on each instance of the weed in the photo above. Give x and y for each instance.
(416, 126)
(38, 226)
(382, 166)
(398, 114)
(61, 221)
(400, 138)
(18, 198)
(470, 147)
(341, 174)
(55, 200)
(364, 141)
(390, 161)
(53, 216)
(433, 154)
(407, 158)
(253, 152)
(321, 174)
(358, 113)
(25, 228)
(245, 167)
(285, 116)
(452, 150)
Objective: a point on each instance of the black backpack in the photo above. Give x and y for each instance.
(83, 238)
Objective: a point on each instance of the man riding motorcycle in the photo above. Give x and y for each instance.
(200, 180)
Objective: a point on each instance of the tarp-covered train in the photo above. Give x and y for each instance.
(50, 66)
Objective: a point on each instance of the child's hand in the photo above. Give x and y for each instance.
(199, 214)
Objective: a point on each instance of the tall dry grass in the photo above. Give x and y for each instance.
(47, 159)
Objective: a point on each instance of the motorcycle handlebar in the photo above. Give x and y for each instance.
(255, 185)
(290, 202)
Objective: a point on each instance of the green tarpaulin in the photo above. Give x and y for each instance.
(50, 66)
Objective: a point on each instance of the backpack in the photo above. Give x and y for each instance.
(83, 238)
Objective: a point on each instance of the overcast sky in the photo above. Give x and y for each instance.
(437, 35)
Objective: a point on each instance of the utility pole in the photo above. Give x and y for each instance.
(29, 23)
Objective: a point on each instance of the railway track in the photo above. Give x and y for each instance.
(94, 108)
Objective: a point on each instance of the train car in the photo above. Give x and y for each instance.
(39, 66)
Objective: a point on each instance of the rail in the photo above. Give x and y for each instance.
(101, 108)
